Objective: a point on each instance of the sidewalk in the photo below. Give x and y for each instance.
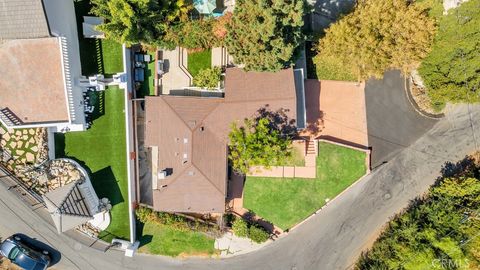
(231, 245)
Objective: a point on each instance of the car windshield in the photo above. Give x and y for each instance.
(14, 253)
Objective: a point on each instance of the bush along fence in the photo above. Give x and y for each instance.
(177, 221)
(248, 229)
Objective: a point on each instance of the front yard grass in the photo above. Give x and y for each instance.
(297, 158)
(198, 61)
(166, 240)
(102, 151)
(287, 201)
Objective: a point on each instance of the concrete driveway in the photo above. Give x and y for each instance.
(392, 122)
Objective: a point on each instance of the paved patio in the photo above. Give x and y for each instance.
(307, 171)
(336, 111)
(176, 76)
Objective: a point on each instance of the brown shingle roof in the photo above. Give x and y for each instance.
(22, 19)
(191, 136)
(32, 84)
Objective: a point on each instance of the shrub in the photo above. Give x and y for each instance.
(450, 71)
(240, 227)
(144, 214)
(258, 234)
(208, 78)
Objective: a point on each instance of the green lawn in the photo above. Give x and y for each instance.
(112, 57)
(287, 201)
(96, 56)
(297, 158)
(198, 61)
(147, 86)
(165, 240)
(102, 151)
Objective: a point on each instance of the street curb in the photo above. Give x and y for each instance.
(415, 106)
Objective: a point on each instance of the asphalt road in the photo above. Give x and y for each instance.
(392, 122)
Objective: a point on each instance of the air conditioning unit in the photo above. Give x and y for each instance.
(162, 174)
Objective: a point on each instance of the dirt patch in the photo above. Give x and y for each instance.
(422, 99)
(7, 265)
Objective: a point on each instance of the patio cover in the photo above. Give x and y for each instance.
(205, 6)
(88, 26)
(71, 205)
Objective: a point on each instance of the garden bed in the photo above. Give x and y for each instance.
(287, 201)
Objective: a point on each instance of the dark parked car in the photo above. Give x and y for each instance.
(23, 254)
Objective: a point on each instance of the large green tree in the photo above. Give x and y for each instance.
(258, 142)
(451, 71)
(139, 21)
(439, 231)
(376, 36)
(264, 34)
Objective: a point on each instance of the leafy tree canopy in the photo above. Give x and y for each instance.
(440, 231)
(139, 21)
(451, 71)
(264, 34)
(379, 35)
(259, 143)
(194, 34)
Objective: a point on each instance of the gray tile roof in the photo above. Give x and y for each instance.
(22, 19)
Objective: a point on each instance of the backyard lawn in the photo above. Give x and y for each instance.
(102, 151)
(112, 57)
(166, 240)
(97, 56)
(198, 61)
(287, 201)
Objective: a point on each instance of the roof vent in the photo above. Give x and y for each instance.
(191, 173)
(185, 155)
(185, 140)
(202, 128)
(177, 139)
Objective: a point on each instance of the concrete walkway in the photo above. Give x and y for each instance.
(309, 150)
(231, 245)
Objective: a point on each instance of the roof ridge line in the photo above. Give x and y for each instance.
(215, 186)
(175, 112)
(259, 100)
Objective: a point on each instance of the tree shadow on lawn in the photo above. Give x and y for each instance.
(144, 239)
(103, 181)
(106, 185)
(267, 225)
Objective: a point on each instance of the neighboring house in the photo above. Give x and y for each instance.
(77, 203)
(40, 65)
(188, 136)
